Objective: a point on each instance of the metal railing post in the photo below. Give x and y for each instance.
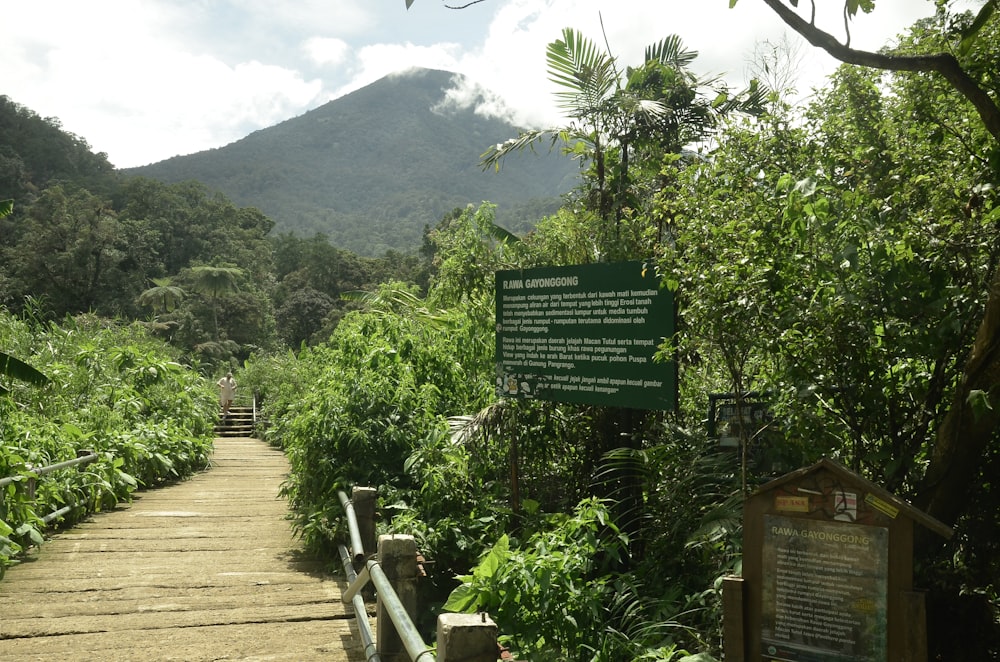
(398, 560)
(358, 602)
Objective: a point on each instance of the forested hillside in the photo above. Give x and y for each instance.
(207, 275)
(373, 168)
(35, 151)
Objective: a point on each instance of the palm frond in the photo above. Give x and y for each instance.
(397, 300)
(13, 367)
(465, 429)
(752, 100)
(216, 281)
(494, 156)
(670, 51)
(586, 74)
(499, 233)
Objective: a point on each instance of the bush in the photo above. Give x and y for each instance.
(114, 391)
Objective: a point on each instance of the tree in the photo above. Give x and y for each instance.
(215, 282)
(963, 436)
(71, 249)
(653, 108)
(944, 63)
(163, 294)
(302, 315)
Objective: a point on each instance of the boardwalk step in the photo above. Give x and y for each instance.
(239, 423)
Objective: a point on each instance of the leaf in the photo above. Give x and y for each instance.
(979, 401)
(6, 207)
(128, 479)
(853, 5)
(670, 51)
(501, 234)
(586, 74)
(972, 32)
(462, 600)
(31, 532)
(18, 369)
(806, 186)
(494, 559)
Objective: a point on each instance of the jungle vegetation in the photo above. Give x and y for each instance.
(839, 256)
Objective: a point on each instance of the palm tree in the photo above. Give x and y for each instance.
(163, 293)
(655, 107)
(215, 282)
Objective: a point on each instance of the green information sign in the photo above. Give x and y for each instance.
(585, 334)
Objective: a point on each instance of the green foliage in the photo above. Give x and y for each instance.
(312, 276)
(113, 391)
(558, 595)
(70, 247)
(35, 151)
(163, 296)
(387, 378)
(813, 240)
(470, 248)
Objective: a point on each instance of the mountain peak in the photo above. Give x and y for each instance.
(371, 169)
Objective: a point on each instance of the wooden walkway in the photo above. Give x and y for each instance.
(203, 570)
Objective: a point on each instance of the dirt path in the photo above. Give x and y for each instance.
(203, 570)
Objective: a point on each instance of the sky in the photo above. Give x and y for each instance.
(145, 80)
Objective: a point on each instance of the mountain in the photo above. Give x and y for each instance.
(373, 168)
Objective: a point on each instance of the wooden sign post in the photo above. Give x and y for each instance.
(827, 573)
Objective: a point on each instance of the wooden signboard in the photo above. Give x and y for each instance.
(827, 573)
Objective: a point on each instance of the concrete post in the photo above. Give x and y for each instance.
(466, 638)
(397, 556)
(363, 499)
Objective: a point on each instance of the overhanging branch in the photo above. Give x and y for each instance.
(943, 63)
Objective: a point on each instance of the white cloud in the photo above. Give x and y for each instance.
(327, 51)
(511, 60)
(343, 17)
(379, 60)
(148, 79)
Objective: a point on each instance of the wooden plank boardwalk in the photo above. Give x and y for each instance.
(206, 569)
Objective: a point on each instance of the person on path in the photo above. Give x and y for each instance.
(227, 391)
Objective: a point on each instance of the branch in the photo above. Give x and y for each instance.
(942, 63)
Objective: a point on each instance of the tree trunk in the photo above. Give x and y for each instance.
(965, 433)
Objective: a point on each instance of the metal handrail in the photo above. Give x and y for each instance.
(41, 471)
(352, 527)
(372, 572)
(360, 612)
(407, 631)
